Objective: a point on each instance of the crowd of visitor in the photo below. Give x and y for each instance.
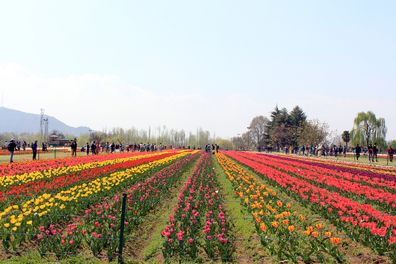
(94, 148)
(212, 148)
(371, 151)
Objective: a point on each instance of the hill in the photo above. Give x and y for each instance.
(19, 122)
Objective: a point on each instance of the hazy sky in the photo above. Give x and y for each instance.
(187, 64)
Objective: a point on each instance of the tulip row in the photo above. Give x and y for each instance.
(99, 225)
(361, 222)
(288, 235)
(41, 165)
(20, 219)
(360, 169)
(20, 152)
(333, 171)
(383, 199)
(19, 192)
(199, 221)
(6, 181)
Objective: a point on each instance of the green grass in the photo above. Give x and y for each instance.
(35, 258)
(47, 155)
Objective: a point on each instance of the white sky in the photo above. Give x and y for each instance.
(190, 64)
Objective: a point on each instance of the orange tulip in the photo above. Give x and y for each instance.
(335, 240)
(275, 224)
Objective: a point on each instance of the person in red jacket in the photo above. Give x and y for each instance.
(391, 151)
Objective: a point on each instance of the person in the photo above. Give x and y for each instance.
(11, 149)
(93, 148)
(370, 152)
(391, 151)
(87, 147)
(303, 150)
(375, 153)
(97, 149)
(358, 150)
(73, 147)
(107, 147)
(34, 149)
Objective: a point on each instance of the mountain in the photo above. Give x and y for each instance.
(19, 122)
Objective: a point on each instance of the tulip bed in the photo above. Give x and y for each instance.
(187, 206)
(199, 221)
(339, 182)
(361, 177)
(99, 225)
(287, 234)
(360, 169)
(20, 220)
(363, 222)
(57, 181)
(10, 180)
(19, 168)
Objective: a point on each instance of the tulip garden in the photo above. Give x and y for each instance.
(191, 206)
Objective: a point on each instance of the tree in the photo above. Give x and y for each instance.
(258, 130)
(313, 132)
(346, 137)
(238, 142)
(278, 128)
(224, 143)
(83, 139)
(281, 136)
(368, 129)
(297, 119)
(247, 140)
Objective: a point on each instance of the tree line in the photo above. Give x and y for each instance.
(159, 135)
(284, 129)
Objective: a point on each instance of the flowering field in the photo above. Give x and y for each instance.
(359, 201)
(190, 206)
